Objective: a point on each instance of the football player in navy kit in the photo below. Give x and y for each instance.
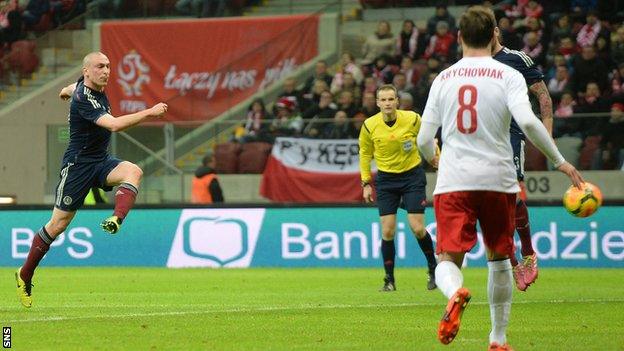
(87, 163)
(525, 272)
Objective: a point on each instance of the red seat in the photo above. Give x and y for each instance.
(535, 160)
(226, 156)
(590, 145)
(253, 157)
(22, 57)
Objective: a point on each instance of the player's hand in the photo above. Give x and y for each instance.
(66, 93)
(435, 161)
(367, 193)
(573, 174)
(159, 109)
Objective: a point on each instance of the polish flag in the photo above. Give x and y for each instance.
(313, 170)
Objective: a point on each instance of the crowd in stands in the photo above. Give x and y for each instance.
(579, 49)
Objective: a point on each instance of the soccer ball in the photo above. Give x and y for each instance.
(582, 203)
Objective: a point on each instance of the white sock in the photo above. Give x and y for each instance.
(448, 278)
(499, 296)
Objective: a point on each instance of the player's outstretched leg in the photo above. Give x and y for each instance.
(524, 232)
(24, 290)
(124, 200)
(388, 253)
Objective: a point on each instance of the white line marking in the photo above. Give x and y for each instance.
(276, 308)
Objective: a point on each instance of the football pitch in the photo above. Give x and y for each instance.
(300, 309)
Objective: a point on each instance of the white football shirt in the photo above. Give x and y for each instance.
(471, 100)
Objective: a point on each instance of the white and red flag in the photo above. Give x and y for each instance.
(312, 170)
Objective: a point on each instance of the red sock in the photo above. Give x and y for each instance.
(124, 199)
(523, 228)
(40, 245)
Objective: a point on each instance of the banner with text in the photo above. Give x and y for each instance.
(202, 67)
(289, 237)
(312, 170)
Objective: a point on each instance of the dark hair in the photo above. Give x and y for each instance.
(476, 27)
(258, 100)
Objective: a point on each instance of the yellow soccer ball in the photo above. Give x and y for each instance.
(582, 203)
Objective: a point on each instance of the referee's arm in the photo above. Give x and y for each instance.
(366, 153)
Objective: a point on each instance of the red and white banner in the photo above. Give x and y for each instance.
(312, 170)
(202, 67)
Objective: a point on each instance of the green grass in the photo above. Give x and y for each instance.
(300, 309)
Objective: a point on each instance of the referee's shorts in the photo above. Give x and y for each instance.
(408, 186)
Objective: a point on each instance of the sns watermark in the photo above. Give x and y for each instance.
(6, 337)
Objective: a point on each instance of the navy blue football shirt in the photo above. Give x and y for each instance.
(88, 142)
(522, 63)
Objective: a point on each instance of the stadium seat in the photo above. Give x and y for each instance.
(590, 145)
(226, 155)
(535, 160)
(22, 57)
(253, 157)
(570, 149)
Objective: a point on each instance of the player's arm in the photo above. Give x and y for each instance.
(520, 108)
(366, 156)
(430, 122)
(540, 91)
(67, 92)
(121, 123)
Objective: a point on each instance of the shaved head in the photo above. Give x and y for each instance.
(90, 57)
(96, 70)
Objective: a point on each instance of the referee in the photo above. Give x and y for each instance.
(390, 138)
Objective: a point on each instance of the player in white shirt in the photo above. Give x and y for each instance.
(473, 102)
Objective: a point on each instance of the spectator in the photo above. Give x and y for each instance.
(347, 103)
(562, 125)
(617, 46)
(562, 29)
(412, 74)
(617, 81)
(379, 43)
(534, 49)
(589, 32)
(382, 70)
(592, 102)
(407, 42)
(347, 64)
(348, 84)
(441, 15)
(509, 37)
(320, 72)
(568, 48)
(587, 67)
(287, 121)
(533, 9)
(406, 101)
(400, 83)
(213, 8)
(369, 104)
(340, 128)
(289, 90)
(256, 126)
(316, 114)
(610, 154)
(370, 85)
(205, 187)
(442, 44)
(559, 83)
(318, 87)
(15, 29)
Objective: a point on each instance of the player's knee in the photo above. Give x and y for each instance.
(387, 234)
(56, 227)
(419, 230)
(135, 174)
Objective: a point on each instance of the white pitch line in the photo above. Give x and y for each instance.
(280, 308)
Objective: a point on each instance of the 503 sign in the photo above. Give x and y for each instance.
(537, 184)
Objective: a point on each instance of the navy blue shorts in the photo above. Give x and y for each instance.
(517, 144)
(78, 178)
(408, 186)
